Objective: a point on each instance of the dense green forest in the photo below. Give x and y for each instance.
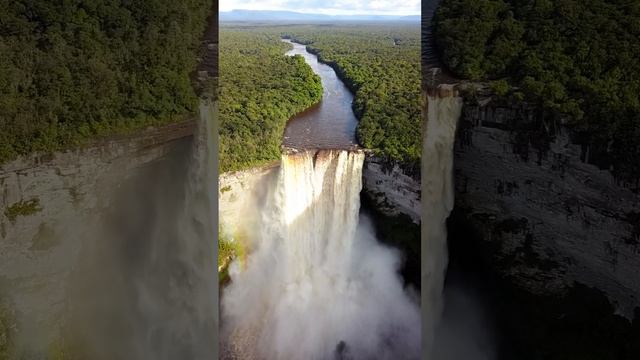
(73, 70)
(260, 89)
(381, 65)
(576, 59)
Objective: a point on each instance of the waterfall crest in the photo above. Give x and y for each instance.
(317, 285)
(443, 112)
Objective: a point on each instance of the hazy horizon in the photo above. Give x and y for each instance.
(244, 15)
(328, 7)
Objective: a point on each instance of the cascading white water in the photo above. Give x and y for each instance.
(317, 285)
(320, 202)
(145, 287)
(443, 112)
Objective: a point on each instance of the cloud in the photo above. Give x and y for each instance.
(332, 7)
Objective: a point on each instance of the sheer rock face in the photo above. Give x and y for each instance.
(393, 190)
(544, 218)
(547, 218)
(40, 244)
(240, 196)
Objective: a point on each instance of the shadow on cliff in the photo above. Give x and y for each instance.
(580, 325)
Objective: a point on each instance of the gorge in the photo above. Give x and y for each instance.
(106, 246)
(543, 229)
(312, 256)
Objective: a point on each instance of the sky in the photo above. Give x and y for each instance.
(329, 7)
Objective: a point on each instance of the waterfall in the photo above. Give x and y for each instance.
(443, 111)
(146, 285)
(317, 285)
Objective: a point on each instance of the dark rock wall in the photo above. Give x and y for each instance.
(548, 218)
(392, 189)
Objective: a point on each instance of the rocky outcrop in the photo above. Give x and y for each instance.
(241, 194)
(391, 188)
(547, 218)
(46, 200)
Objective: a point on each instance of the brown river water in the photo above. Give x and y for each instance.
(330, 124)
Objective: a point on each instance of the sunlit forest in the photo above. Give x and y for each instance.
(74, 70)
(260, 89)
(381, 65)
(576, 60)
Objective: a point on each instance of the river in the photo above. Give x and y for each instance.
(317, 284)
(330, 124)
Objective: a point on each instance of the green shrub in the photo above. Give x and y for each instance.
(229, 250)
(500, 87)
(22, 208)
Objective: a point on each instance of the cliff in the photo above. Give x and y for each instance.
(48, 204)
(392, 189)
(240, 195)
(546, 219)
(546, 241)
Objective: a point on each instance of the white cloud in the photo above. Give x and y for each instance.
(333, 7)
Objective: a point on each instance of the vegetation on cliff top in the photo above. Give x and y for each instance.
(74, 70)
(381, 65)
(576, 59)
(260, 89)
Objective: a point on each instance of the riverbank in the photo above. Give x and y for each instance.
(385, 81)
(330, 124)
(261, 89)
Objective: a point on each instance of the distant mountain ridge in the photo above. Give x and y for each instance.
(278, 16)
